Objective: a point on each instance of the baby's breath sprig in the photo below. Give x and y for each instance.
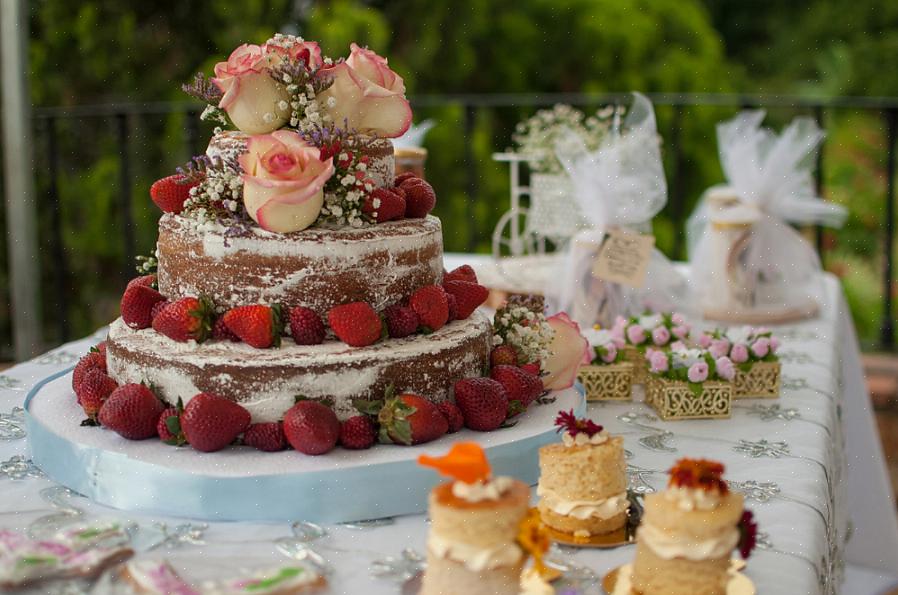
(526, 331)
(146, 265)
(219, 193)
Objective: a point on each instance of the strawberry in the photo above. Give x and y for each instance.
(356, 324)
(453, 307)
(94, 360)
(157, 308)
(132, 411)
(358, 433)
(257, 325)
(385, 204)
(186, 319)
(306, 326)
(520, 386)
(432, 307)
(267, 437)
(221, 332)
(503, 355)
(405, 419)
(462, 273)
(419, 197)
(211, 422)
(467, 295)
(452, 414)
(407, 175)
(170, 192)
(401, 321)
(483, 403)
(99, 348)
(137, 305)
(169, 425)
(532, 368)
(311, 428)
(93, 390)
(145, 280)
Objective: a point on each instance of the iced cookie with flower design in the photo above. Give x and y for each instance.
(475, 522)
(689, 531)
(583, 479)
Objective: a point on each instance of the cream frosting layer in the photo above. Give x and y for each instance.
(667, 545)
(482, 490)
(688, 499)
(583, 509)
(582, 439)
(473, 557)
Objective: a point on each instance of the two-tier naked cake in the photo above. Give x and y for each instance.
(297, 294)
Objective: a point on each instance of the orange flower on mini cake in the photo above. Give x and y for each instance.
(568, 351)
(283, 181)
(254, 101)
(366, 94)
(465, 462)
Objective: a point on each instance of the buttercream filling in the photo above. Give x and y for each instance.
(582, 439)
(474, 558)
(604, 508)
(482, 490)
(534, 584)
(668, 546)
(689, 499)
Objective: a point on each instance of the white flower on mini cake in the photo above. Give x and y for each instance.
(367, 95)
(283, 181)
(254, 101)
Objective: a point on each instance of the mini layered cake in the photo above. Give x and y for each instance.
(689, 531)
(475, 522)
(583, 480)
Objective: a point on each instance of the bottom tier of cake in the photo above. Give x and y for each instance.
(268, 381)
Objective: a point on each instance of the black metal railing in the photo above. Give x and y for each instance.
(122, 117)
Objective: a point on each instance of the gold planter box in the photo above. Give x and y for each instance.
(762, 381)
(640, 365)
(672, 399)
(607, 382)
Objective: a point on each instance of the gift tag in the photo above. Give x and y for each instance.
(624, 257)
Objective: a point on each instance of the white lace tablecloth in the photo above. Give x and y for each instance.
(809, 464)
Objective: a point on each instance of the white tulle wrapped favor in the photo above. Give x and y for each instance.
(619, 185)
(748, 263)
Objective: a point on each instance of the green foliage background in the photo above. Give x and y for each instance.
(106, 51)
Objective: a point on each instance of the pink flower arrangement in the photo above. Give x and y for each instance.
(283, 181)
(636, 334)
(739, 353)
(719, 348)
(698, 372)
(660, 336)
(568, 350)
(659, 362)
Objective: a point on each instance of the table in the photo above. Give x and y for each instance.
(809, 463)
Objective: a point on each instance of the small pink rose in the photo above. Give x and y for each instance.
(567, 352)
(761, 347)
(678, 346)
(680, 332)
(761, 330)
(306, 51)
(659, 362)
(619, 327)
(774, 344)
(660, 336)
(739, 353)
(367, 94)
(678, 319)
(636, 334)
(283, 181)
(704, 340)
(698, 372)
(254, 101)
(725, 368)
(719, 348)
(610, 353)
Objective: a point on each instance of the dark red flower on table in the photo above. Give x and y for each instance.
(748, 534)
(567, 421)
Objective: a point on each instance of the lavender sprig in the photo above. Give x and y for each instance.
(203, 89)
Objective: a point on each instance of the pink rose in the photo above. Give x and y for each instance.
(680, 332)
(610, 353)
(660, 336)
(255, 102)
(307, 51)
(719, 348)
(283, 181)
(678, 319)
(698, 372)
(761, 347)
(568, 350)
(635, 334)
(739, 353)
(774, 344)
(761, 330)
(704, 340)
(678, 346)
(367, 94)
(725, 368)
(619, 327)
(659, 362)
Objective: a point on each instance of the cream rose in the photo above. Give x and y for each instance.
(283, 181)
(254, 101)
(367, 94)
(568, 351)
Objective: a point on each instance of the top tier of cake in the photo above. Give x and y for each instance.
(318, 268)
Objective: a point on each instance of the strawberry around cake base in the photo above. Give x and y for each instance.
(267, 381)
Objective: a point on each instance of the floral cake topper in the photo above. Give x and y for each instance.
(573, 425)
(701, 474)
(465, 462)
